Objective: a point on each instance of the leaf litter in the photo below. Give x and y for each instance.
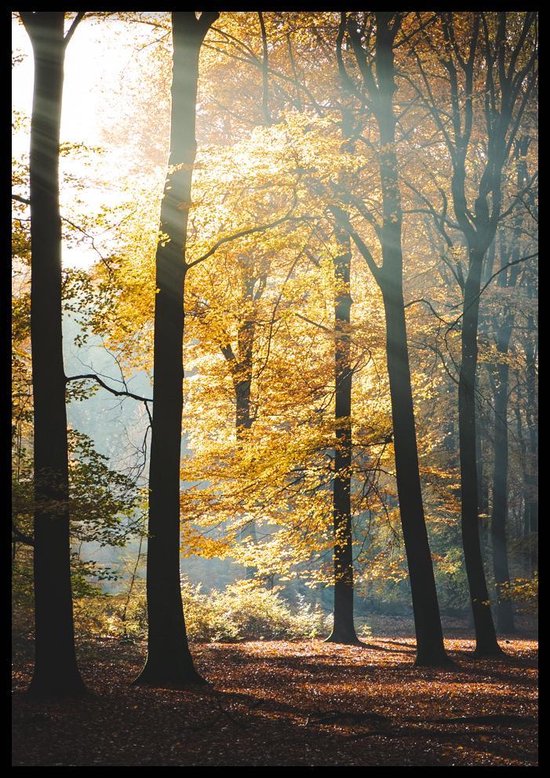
(285, 703)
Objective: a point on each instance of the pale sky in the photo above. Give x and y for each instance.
(102, 56)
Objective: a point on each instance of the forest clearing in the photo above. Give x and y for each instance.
(275, 388)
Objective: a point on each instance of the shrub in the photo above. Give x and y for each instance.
(246, 611)
(242, 611)
(523, 592)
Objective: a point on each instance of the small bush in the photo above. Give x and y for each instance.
(242, 611)
(246, 611)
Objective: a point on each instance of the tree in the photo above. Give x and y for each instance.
(55, 671)
(509, 276)
(498, 58)
(343, 630)
(169, 661)
(377, 89)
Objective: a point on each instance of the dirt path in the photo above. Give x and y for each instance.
(280, 703)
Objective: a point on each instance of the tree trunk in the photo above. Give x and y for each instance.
(531, 493)
(55, 671)
(486, 641)
(429, 635)
(243, 421)
(241, 368)
(343, 629)
(169, 661)
(483, 484)
(505, 617)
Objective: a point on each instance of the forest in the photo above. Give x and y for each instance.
(274, 388)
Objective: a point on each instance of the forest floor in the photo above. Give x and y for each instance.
(281, 703)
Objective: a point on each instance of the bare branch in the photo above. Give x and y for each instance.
(72, 28)
(21, 537)
(117, 392)
(430, 306)
(315, 323)
(343, 220)
(20, 199)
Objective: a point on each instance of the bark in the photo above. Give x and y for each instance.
(55, 670)
(169, 661)
(343, 629)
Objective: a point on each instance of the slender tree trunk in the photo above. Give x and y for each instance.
(486, 641)
(429, 635)
(505, 617)
(499, 533)
(169, 661)
(243, 418)
(531, 494)
(525, 528)
(55, 671)
(343, 630)
(483, 485)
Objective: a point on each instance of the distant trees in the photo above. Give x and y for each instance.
(494, 56)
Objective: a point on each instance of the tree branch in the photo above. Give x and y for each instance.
(206, 20)
(21, 536)
(116, 392)
(315, 324)
(72, 28)
(242, 234)
(343, 220)
(496, 273)
(20, 199)
(430, 306)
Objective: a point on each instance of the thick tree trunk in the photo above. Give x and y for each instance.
(486, 641)
(343, 629)
(55, 671)
(169, 661)
(429, 635)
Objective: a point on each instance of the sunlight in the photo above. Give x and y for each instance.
(275, 388)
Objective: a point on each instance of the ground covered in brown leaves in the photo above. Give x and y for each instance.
(280, 703)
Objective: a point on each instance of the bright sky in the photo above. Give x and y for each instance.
(102, 57)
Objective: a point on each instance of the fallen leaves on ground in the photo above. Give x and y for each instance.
(289, 703)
